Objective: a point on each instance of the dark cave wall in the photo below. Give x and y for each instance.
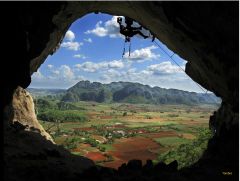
(29, 26)
(203, 33)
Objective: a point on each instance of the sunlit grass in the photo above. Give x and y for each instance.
(171, 141)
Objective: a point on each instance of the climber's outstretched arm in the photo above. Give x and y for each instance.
(136, 28)
(140, 33)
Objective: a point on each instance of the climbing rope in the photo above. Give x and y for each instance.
(132, 7)
(129, 48)
(171, 57)
(123, 48)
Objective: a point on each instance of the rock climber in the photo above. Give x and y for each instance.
(129, 31)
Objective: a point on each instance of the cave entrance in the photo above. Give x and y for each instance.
(110, 108)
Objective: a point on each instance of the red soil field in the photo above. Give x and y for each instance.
(161, 134)
(95, 156)
(132, 148)
(115, 126)
(81, 148)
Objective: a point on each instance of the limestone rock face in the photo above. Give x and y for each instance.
(23, 112)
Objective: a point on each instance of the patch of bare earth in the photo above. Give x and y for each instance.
(188, 136)
(95, 156)
(162, 134)
(143, 119)
(82, 148)
(132, 148)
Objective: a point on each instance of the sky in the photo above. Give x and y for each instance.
(92, 50)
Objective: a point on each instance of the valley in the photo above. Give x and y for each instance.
(120, 121)
(114, 133)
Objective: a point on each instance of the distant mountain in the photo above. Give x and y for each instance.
(129, 92)
(37, 92)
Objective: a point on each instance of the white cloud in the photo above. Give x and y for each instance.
(93, 67)
(88, 66)
(58, 77)
(113, 72)
(115, 64)
(80, 77)
(142, 54)
(148, 77)
(37, 76)
(70, 36)
(89, 40)
(50, 66)
(109, 28)
(66, 72)
(99, 31)
(56, 72)
(71, 45)
(164, 68)
(165, 74)
(78, 66)
(110, 75)
(129, 75)
(130, 71)
(79, 56)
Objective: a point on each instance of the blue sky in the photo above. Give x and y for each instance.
(92, 50)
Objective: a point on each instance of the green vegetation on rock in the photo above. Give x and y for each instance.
(134, 93)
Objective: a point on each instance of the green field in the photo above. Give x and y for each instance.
(111, 134)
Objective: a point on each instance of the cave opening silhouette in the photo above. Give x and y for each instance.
(193, 34)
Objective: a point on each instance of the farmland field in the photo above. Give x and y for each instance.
(112, 134)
